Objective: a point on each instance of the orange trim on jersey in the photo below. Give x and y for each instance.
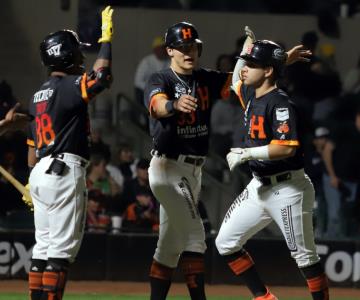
(30, 143)
(91, 83)
(241, 99)
(318, 283)
(225, 91)
(285, 142)
(83, 87)
(153, 100)
(241, 264)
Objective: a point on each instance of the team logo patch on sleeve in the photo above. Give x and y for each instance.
(282, 114)
(283, 127)
(155, 91)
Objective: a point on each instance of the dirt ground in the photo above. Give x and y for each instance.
(136, 288)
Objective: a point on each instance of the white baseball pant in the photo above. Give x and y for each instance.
(176, 185)
(60, 203)
(288, 203)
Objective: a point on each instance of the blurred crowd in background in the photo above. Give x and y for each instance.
(119, 195)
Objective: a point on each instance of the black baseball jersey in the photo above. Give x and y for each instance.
(61, 122)
(272, 119)
(185, 133)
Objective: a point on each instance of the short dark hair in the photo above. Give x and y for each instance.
(143, 164)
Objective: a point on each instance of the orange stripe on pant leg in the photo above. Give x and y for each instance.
(318, 283)
(241, 264)
(160, 271)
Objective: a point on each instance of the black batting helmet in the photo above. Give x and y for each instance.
(61, 50)
(182, 33)
(266, 53)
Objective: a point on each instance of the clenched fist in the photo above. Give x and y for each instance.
(186, 104)
(237, 156)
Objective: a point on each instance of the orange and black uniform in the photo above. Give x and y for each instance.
(60, 135)
(272, 119)
(61, 122)
(184, 133)
(180, 144)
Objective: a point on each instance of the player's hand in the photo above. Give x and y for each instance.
(106, 25)
(249, 33)
(250, 39)
(237, 156)
(335, 181)
(186, 103)
(14, 120)
(298, 53)
(27, 198)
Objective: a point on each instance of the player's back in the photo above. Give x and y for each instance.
(61, 119)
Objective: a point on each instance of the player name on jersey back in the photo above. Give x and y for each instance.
(43, 95)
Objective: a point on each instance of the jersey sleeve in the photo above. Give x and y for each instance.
(155, 87)
(30, 141)
(94, 83)
(284, 124)
(244, 93)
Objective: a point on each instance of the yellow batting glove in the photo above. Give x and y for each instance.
(106, 25)
(27, 198)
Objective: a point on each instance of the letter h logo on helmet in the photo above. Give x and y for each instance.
(186, 33)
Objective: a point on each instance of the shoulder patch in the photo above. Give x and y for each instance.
(155, 91)
(282, 114)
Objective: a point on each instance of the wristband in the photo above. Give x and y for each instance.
(170, 106)
(261, 153)
(105, 51)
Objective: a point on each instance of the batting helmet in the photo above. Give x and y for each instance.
(61, 50)
(266, 53)
(182, 33)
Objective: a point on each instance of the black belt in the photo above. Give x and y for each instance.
(83, 163)
(278, 178)
(188, 159)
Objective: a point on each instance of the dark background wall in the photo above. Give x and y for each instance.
(24, 23)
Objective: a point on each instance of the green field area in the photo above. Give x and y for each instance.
(18, 296)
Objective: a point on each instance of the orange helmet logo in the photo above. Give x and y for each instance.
(186, 32)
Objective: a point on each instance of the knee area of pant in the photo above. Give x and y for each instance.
(168, 260)
(57, 264)
(38, 265)
(222, 246)
(303, 261)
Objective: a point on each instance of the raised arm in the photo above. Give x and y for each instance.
(101, 77)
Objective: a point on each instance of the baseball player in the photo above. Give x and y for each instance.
(280, 191)
(59, 152)
(179, 100)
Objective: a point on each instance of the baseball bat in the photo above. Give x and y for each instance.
(20, 187)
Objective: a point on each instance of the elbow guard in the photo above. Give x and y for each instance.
(102, 79)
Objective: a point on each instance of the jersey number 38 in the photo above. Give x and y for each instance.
(44, 132)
